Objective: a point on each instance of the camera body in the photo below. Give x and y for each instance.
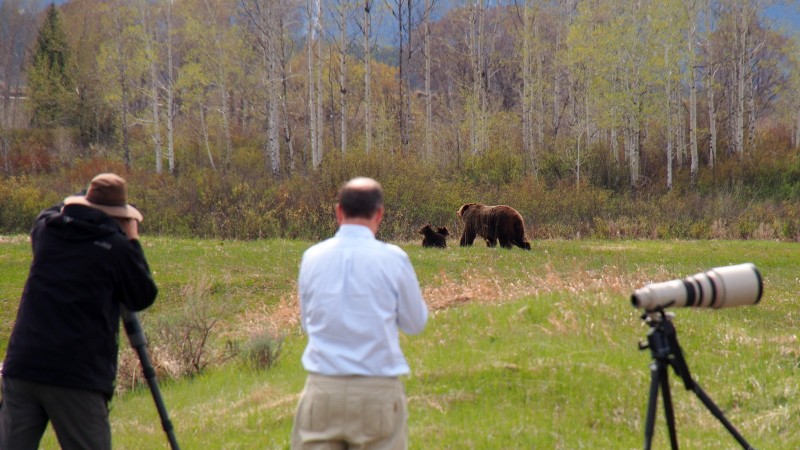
(720, 287)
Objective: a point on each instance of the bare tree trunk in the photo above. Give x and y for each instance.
(17, 25)
(712, 108)
(149, 38)
(170, 94)
(692, 103)
(367, 76)
(320, 95)
(156, 118)
(122, 79)
(428, 99)
(539, 83)
(401, 71)
(222, 85)
(287, 129)
(476, 56)
(527, 94)
(343, 74)
(797, 132)
(205, 136)
(311, 42)
(269, 43)
(670, 158)
(751, 113)
(741, 74)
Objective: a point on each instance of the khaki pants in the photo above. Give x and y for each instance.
(351, 412)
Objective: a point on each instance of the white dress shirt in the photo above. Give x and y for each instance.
(355, 293)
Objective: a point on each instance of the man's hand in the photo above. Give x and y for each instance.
(130, 227)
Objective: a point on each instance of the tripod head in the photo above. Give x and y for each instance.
(662, 341)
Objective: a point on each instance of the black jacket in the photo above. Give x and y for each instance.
(67, 328)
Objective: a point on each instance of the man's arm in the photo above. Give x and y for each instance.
(137, 286)
(412, 312)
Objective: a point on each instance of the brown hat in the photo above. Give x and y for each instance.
(107, 192)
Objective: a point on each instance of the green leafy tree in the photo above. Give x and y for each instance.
(50, 79)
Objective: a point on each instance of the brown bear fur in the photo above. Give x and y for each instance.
(493, 223)
(433, 238)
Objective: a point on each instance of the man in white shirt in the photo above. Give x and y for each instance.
(355, 294)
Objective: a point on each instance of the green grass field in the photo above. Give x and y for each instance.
(523, 350)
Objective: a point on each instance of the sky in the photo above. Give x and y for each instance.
(785, 15)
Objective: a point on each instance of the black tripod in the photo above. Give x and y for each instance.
(663, 345)
(139, 343)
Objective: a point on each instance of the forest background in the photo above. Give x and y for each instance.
(239, 119)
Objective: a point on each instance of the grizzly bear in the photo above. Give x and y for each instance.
(433, 238)
(493, 223)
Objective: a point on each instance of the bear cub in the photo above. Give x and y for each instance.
(434, 238)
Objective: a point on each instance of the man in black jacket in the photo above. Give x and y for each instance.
(61, 361)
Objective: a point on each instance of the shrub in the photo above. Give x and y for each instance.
(261, 351)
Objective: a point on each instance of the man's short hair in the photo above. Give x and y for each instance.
(361, 197)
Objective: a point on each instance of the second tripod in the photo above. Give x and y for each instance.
(663, 344)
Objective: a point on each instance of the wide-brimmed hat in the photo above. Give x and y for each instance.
(107, 192)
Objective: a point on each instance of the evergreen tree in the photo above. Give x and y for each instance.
(50, 79)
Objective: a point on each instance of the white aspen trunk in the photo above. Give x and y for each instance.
(527, 125)
(615, 146)
(409, 117)
(797, 132)
(148, 37)
(484, 78)
(170, 95)
(692, 108)
(287, 129)
(270, 59)
(556, 89)
(740, 83)
(122, 79)
(428, 99)
(156, 119)
(712, 111)
(712, 121)
(367, 77)
(669, 135)
(401, 85)
(751, 114)
(680, 138)
(205, 137)
(225, 100)
(343, 75)
(473, 33)
(311, 113)
(320, 95)
(539, 82)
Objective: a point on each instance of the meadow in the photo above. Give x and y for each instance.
(523, 350)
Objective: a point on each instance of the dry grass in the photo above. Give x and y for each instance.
(480, 287)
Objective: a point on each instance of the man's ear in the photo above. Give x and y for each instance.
(339, 214)
(379, 214)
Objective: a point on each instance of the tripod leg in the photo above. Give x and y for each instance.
(720, 416)
(656, 373)
(669, 412)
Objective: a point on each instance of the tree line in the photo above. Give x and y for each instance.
(619, 95)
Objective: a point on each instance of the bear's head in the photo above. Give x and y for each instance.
(426, 230)
(464, 209)
(443, 231)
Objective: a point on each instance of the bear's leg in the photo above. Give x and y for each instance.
(522, 243)
(490, 237)
(467, 238)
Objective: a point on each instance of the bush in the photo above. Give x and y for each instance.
(261, 351)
